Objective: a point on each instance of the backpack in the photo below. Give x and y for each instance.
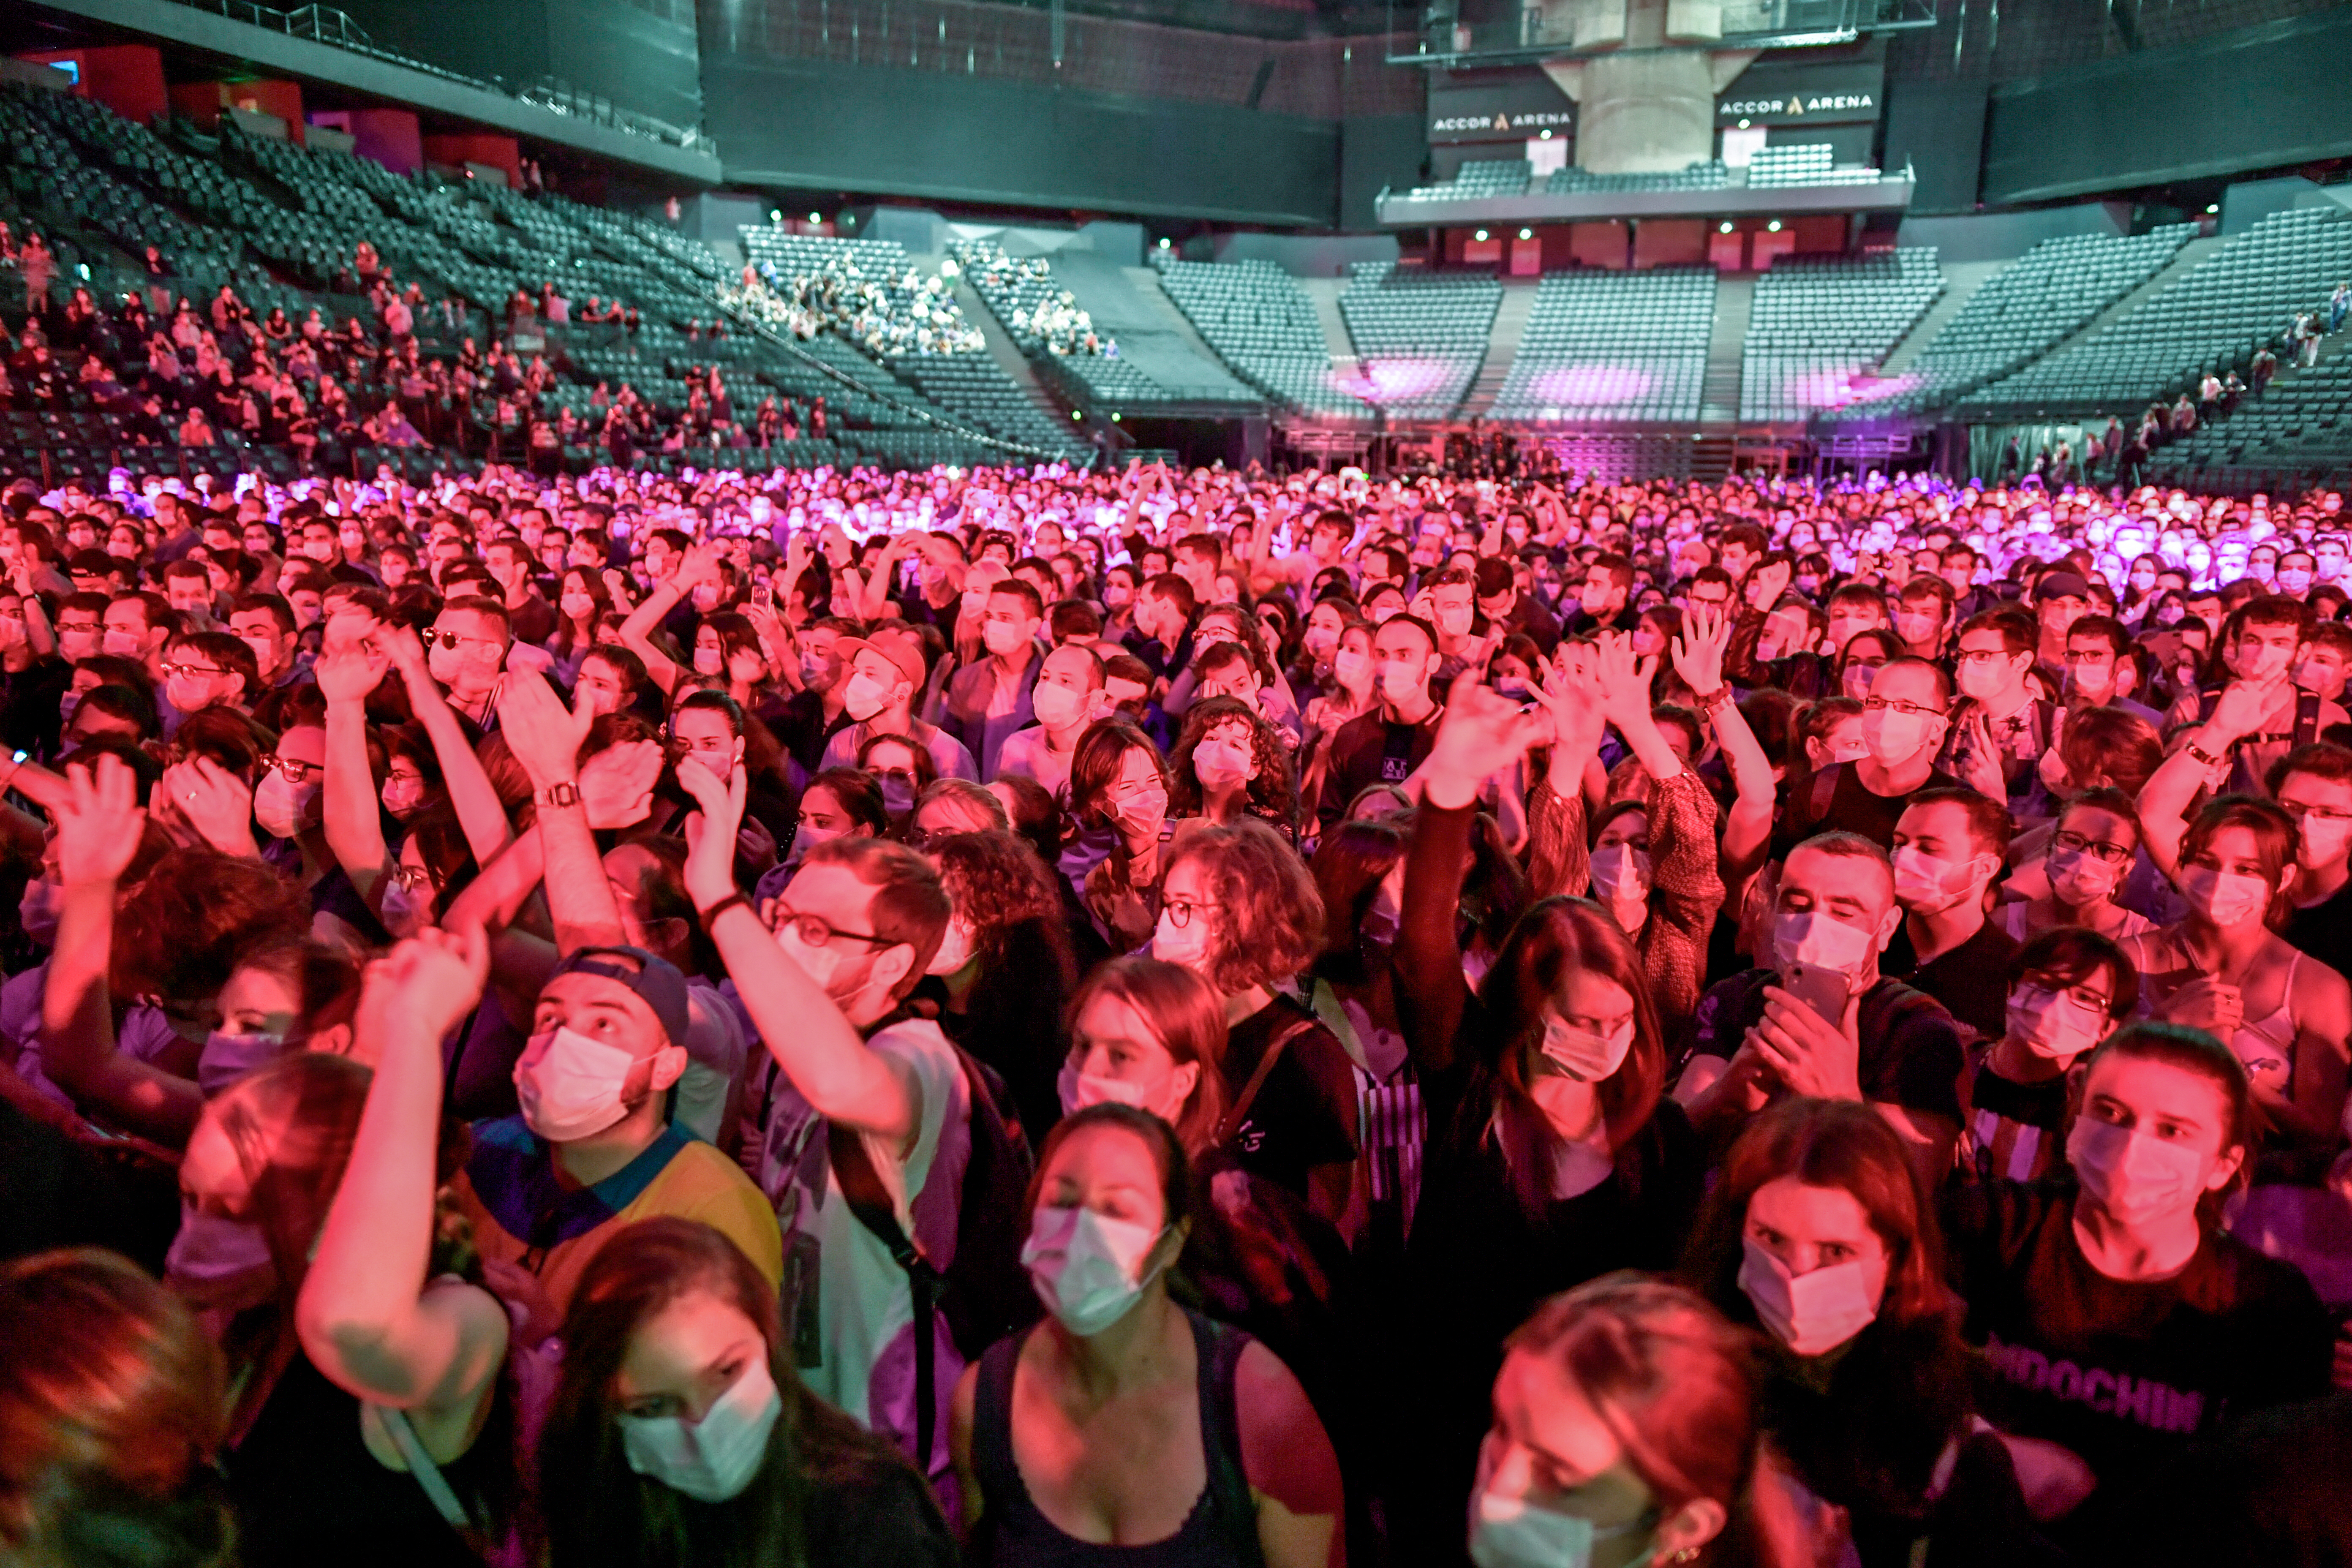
(985, 1292)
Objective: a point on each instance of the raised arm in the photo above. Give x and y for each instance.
(843, 1078)
(546, 738)
(1747, 830)
(369, 1315)
(698, 564)
(1482, 733)
(480, 814)
(2173, 788)
(354, 823)
(1558, 858)
(98, 825)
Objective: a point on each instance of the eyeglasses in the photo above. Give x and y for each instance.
(176, 671)
(2081, 995)
(1975, 655)
(296, 769)
(415, 878)
(816, 930)
(2301, 811)
(1179, 915)
(448, 640)
(1883, 704)
(2074, 843)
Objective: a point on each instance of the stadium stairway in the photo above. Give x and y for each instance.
(2189, 257)
(1326, 292)
(1007, 353)
(1155, 297)
(1961, 280)
(1718, 398)
(1502, 344)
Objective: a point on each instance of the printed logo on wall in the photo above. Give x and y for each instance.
(1798, 95)
(1498, 105)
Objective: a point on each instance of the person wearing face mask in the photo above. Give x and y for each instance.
(990, 700)
(860, 1085)
(1553, 1155)
(2261, 643)
(1067, 696)
(1627, 1431)
(1603, 598)
(2295, 570)
(1821, 1235)
(2002, 728)
(2124, 1280)
(2224, 969)
(1387, 744)
(1904, 721)
(2101, 671)
(1833, 912)
(2094, 845)
(1775, 646)
(1950, 847)
(1228, 763)
(680, 1433)
(1923, 616)
(2068, 990)
(1112, 1212)
(582, 602)
(881, 679)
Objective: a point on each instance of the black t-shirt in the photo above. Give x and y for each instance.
(1305, 1112)
(1971, 980)
(1850, 806)
(2122, 1372)
(2324, 930)
(1910, 1054)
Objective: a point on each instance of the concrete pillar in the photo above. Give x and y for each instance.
(1650, 109)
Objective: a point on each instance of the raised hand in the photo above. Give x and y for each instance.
(432, 981)
(1623, 678)
(617, 784)
(2244, 704)
(348, 673)
(710, 833)
(544, 735)
(99, 822)
(1698, 650)
(214, 800)
(1483, 734)
(699, 564)
(401, 646)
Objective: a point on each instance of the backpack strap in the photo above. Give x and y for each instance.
(1219, 1347)
(1248, 1097)
(869, 1200)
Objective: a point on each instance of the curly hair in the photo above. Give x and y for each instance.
(995, 880)
(1270, 916)
(178, 934)
(1272, 789)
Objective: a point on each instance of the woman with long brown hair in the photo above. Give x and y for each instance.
(681, 1436)
(1553, 1155)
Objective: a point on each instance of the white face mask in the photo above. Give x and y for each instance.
(1582, 1055)
(864, 696)
(1352, 668)
(712, 1459)
(283, 809)
(1056, 707)
(1087, 1268)
(1510, 1532)
(2052, 1024)
(1927, 884)
(2079, 877)
(38, 911)
(955, 950)
(1621, 873)
(1893, 736)
(1821, 942)
(1187, 945)
(709, 660)
(575, 606)
(2259, 662)
(1079, 1089)
(208, 1247)
(2225, 897)
(1001, 636)
(571, 1089)
(1403, 683)
(2321, 840)
(1810, 1314)
(1222, 765)
(2136, 1179)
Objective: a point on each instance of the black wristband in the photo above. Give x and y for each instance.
(721, 907)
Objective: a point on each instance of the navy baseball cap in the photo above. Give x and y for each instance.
(655, 980)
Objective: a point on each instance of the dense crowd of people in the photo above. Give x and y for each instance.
(1041, 1017)
(888, 312)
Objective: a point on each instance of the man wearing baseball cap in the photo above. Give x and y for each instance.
(882, 682)
(593, 1148)
(2059, 599)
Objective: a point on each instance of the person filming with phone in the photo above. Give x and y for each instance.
(1818, 1019)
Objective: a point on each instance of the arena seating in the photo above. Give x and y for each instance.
(2026, 309)
(1478, 179)
(1263, 324)
(1816, 325)
(1701, 176)
(1804, 163)
(2303, 421)
(1612, 346)
(2215, 317)
(1420, 335)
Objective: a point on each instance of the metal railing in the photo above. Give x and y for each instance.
(326, 24)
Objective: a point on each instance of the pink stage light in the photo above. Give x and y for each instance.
(1395, 380)
(1590, 384)
(1843, 388)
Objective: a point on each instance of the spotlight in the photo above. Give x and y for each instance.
(817, 217)
(2212, 209)
(1163, 242)
(1480, 237)
(1527, 234)
(775, 214)
(1772, 228)
(1114, 418)
(1725, 229)
(1544, 135)
(1076, 414)
(1743, 125)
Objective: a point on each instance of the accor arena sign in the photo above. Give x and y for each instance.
(1498, 105)
(1768, 94)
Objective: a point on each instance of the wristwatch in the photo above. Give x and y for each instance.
(561, 793)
